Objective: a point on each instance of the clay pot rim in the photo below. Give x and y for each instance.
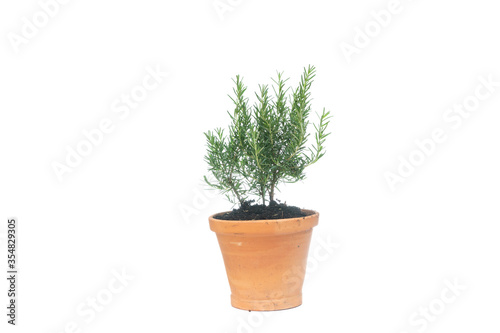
(307, 211)
(275, 226)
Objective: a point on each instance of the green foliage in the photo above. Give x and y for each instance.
(266, 144)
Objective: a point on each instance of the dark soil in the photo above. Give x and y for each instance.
(274, 211)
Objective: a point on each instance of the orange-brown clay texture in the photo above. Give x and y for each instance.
(265, 260)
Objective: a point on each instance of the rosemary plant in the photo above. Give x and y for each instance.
(267, 143)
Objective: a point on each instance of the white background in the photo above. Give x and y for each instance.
(121, 207)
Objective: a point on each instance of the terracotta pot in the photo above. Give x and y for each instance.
(265, 260)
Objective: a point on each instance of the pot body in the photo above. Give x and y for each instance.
(265, 260)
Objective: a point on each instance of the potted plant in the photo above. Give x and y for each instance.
(265, 244)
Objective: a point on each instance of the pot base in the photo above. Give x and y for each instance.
(266, 304)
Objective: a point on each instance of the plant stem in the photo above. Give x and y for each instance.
(263, 194)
